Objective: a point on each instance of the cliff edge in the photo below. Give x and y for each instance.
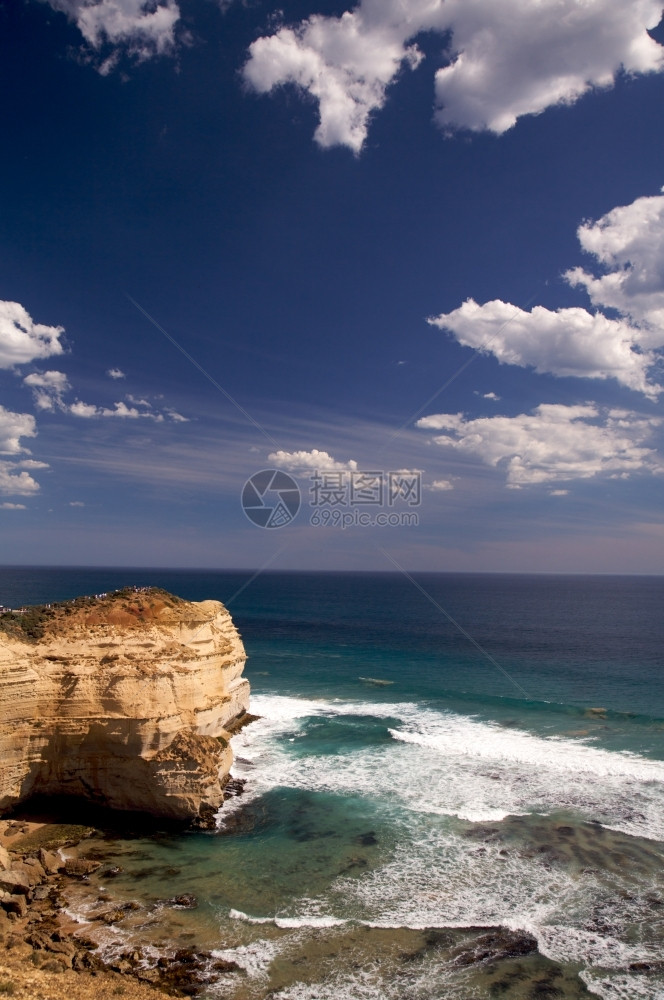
(122, 699)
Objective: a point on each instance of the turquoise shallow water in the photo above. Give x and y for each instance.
(403, 781)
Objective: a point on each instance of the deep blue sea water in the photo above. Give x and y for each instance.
(410, 774)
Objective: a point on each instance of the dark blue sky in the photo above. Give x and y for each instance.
(300, 273)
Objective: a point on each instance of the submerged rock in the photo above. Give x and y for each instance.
(495, 946)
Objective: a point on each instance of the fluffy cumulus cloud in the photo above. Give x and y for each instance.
(22, 340)
(88, 410)
(115, 373)
(13, 427)
(15, 479)
(139, 28)
(504, 58)
(48, 389)
(518, 57)
(12, 506)
(565, 342)
(554, 443)
(13, 483)
(310, 461)
(628, 243)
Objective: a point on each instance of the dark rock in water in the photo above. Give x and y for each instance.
(113, 871)
(187, 971)
(494, 947)
(221, 965)
(653, 966)
(79, 868)
(542, 989)
(439, 938)
(233, 788)
(367, 839)
(186, 901)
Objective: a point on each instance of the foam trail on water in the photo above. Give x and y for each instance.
(254, 958)
(459, 766)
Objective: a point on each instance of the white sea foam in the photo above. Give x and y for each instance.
(570, 944)
(456, 765)
(444, 764)
(622, 986)
(254, 958)
(290, 923)
(435, 982)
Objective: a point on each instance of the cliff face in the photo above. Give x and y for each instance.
(122, 700)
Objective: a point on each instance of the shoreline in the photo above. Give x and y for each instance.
(45, 953)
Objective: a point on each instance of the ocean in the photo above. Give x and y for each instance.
(431, 764)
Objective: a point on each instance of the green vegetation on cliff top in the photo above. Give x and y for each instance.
(30, 624)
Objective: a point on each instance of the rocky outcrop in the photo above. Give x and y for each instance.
(122, 699)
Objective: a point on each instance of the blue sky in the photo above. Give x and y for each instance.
(414, 237)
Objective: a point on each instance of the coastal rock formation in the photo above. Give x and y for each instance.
(122, 699)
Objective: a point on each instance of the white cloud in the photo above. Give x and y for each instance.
(48, 389)
(555, 443)
(519, 57)
(76, 503)
(505, 58)
(115, 373)
(14, 426)
(441, 485)
(88, 410)
(141, 28)
(13, 483)
(176, 417)
(565, 342)
(629, 243)
(22, 340)
(15, 480)
(13, 506)
(558, 493)
(346, 63)
(308, 461)
(492, 396)
(79, 409)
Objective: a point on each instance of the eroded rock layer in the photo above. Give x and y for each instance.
(122, 699)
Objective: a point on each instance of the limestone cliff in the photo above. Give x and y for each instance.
(122, 699)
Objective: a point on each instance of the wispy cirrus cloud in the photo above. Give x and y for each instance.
(502, 58)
